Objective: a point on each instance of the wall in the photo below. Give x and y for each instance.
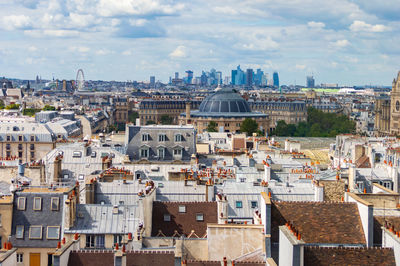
(333, 189)
(390, 240)
(36, 173)
(223, 240)
(6, 210)
(43, 255)
(365, 210)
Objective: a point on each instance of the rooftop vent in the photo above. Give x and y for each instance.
(115, 209)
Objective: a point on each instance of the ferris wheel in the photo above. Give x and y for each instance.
(80, 80)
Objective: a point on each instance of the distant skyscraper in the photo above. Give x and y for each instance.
(310, 82)
(203, 79)
(218, 77)
(233, 80)
(152, 81)
(275, 77)
(176, 75)
(249, 77)
(189, 77)
(239, 77)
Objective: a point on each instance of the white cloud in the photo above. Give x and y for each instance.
(316, 25)
(127, 52)
(300, 67)
(103, 52)
(179, 52)
(109, 8)
(359, 25)
(13, 22)
(32, 48)
(80, 49)
(137, 22)
(225, 10)
(341, 43)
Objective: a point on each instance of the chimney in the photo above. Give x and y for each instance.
(21, 169)
(222, 208)
(57, 168)
(188, 105)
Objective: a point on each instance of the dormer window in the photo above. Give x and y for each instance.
(145, 137)
(144, 152)
(32, 138)
(37, 203)
(35, 232)
(8, 138)
(162, 137)
(167, 217)
(21, 203)
(178, 138)
(161, 152)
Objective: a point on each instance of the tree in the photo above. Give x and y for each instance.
(281, 128)
(166, 120)
(249, 126)
(1, 104)
(150, 122)
(12, 106)
(48, 108)
(132, 117)
(212, 126)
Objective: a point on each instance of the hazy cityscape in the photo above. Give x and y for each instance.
(196, 133)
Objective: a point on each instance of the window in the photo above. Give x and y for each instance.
(20, 154)
(35, 232)
(145, 137)
(95, 241)
(8, 138)
(161, 153)
(8, 153)
(199, 217)
(19, 138)
(178, 152)
(21, 203)
(167, 218)
(19, 232)
(162, 137)
(55, 204)
(8, 146)
(182, 208)
(32, 154)
(242, 180)
(37, 204)
(32, 138)
(144, 153)
(160, 185)
(178, 138)
(93, 154)
(254, 204)
(53, 232)
(239, 204)
(118, 239)
(77, 154)
(19, 147)
(20, 257)
(32, 146)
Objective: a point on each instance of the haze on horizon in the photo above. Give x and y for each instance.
(344, 41)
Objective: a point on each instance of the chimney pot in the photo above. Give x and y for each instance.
(129, 236)
(116, 246)
(58, 245)
(63, 241)
(76, 236)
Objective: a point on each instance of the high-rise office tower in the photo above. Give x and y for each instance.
(176, 75)
(310, 82)
(249, 77)
(152, 81)
(234, 73)
(275, 77)
(189, 77)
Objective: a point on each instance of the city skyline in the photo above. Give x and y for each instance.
(345, 42)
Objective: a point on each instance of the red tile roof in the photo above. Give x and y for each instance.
(319, 222)
(348, 256)
(379, 221)
(183, 223)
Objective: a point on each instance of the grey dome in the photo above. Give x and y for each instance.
(224, 101)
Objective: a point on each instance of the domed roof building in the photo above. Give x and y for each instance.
(225, 107)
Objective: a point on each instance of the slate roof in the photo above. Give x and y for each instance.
(100, 219)
(348, 256)
(177, 191)
(113, 193)
(319, 222)
(183, 223)
(45, 217)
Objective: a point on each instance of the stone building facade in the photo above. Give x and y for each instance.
(395, 106)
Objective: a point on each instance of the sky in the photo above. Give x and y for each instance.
(349, 42)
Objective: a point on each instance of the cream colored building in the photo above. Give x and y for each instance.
(395, 106)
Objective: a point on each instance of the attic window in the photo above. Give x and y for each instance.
(53, 232)
(160, 185)
(239, 204)
(21, 203)
(37, 204)
(55, 204)
(178, 138)
(182, 208)
(167, 218)
(199, 217)
(35, 232)
(145, 137)
(77, 154)
(19, 231)
(254, 204)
